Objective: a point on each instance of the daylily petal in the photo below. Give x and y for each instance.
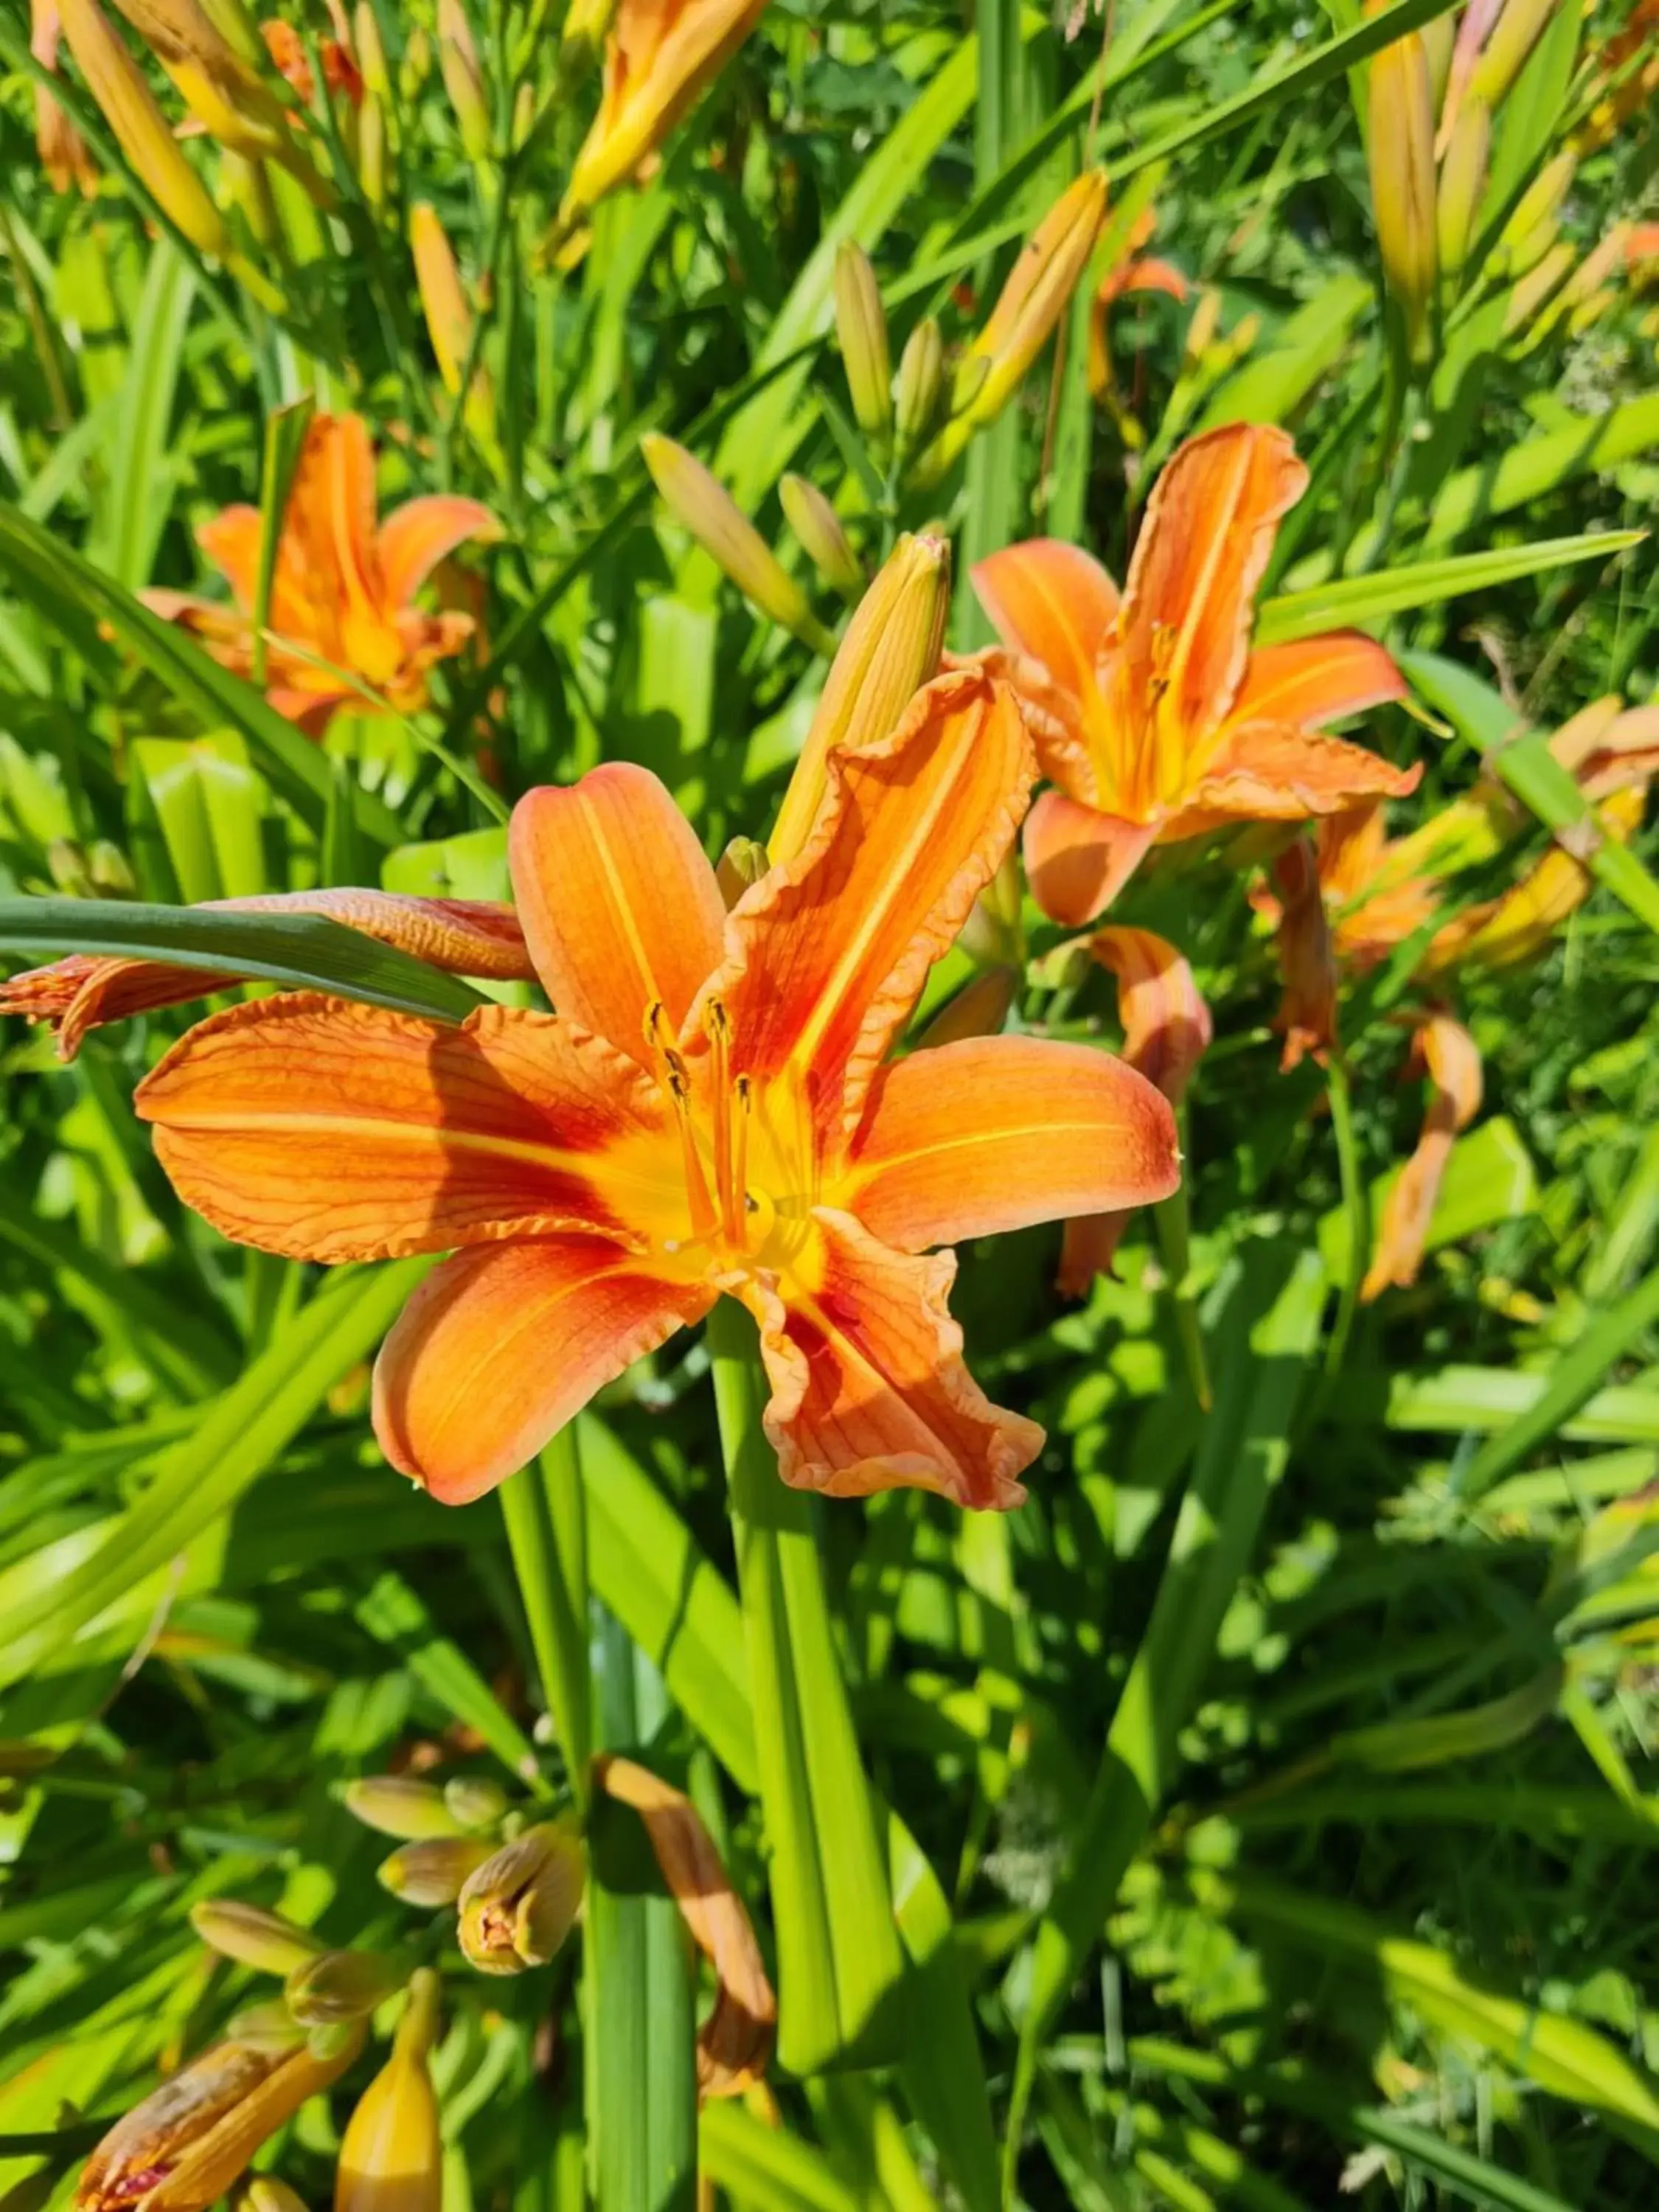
(1209, 530)
(463, 937)
(501, 1346)
(1452, 1060)
(620, 905)
(735, 2042)
(230, 540)
(1273, 773)
(1504, 931)
(1608, 747)
(1317, 680)
(1307, 958)
(825, 957)
(994, 1134)
(869, 1391)
(1079, 859)
(331, 1131)
(1052, 602)
(417, 536)
(1088, 1248)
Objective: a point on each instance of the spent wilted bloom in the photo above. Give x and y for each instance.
(1149, 709)
(463, 937)
(392, 2155)
(708, 1114)
(184, 2146)
(517, 1908)
(658, 57)
(343, 629)
(62, 151)
(1166, 1031)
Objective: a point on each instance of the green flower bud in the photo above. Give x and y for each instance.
(398, 1805)
(519, 1906)
(818, 527)
(861, 329)
(475, 1801)
(336, 1987)
(435, 1871)
(252, 1937)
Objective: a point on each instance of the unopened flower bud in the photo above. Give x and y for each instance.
(458, 63)
(1463, 181)
(252, 1937)
(978, 1010)
(1201, 327)
(475, 1800)
(892, 649)
(145, 136)
(1439, 37)
(1519, 29)
(417, 64)
(66, 863)
(1042, 282)
(399, 1805)
(861, 329)
(700, 502)
(371, 151)
(268, 2027)
(339, 1986)
(918, 386)
(741, 866)
(182, 2149)
(818, 528)
(263, 2192)
(522, 1902)
(524, 116)
(370, 51)
(1539, 286)
(433, 1872)
(391, 2156)
(1401, 157)
(449, 319)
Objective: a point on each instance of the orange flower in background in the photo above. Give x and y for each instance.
(1150, 711)
(287, 50)
(1450, 1060)
(341, 614)
(1131, 273)
(658, 57)
(1166, 1031)
(707, 1113)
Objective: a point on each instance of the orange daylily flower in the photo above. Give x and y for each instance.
(1148, 708)
(1450, 1058)
(343, 615)
(1166, 1031)
(287, 50)
(658, 57)
(707, 1113)
(1131, 273)
(463, 937)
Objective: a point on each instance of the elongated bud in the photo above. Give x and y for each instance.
(1535, 225)
(392, 2155)
(222, 88)
(371, 52)
(892, 649)
(524, 115)
(978, 1010)
(522, 1902)
(861, 329)
(1402, 156)
(1439, 36)
(918, 384)
(1200, 331)
(443, 301)
(417, 64)
(127, 105)
(1041, 283)
(1538, 287)
(268, 2027)
(702, 504)
(1519, 29)
(263, 2192)
(181, 2149)
(339, 1986)
(818, 528)
(399, 1805)
(458, 62)
(252, 1937)
(586, 23)
(741, 866)
(433, 1872)
(475, 1800)
(1463, 181)
(371, 151)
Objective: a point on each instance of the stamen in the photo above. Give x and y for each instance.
(744, 1204)
(717, 1027)
(704, 1220)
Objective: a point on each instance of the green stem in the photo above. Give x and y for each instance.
(1172, 1222)
(547, 1532)
(1356, 1208)
(839, 1961)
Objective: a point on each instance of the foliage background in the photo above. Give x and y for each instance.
(1385, 1925)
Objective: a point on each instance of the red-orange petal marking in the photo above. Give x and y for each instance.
(869, 1391)
(995, 1134)
(503, 1344)
(620, 907)
(329, 1131)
